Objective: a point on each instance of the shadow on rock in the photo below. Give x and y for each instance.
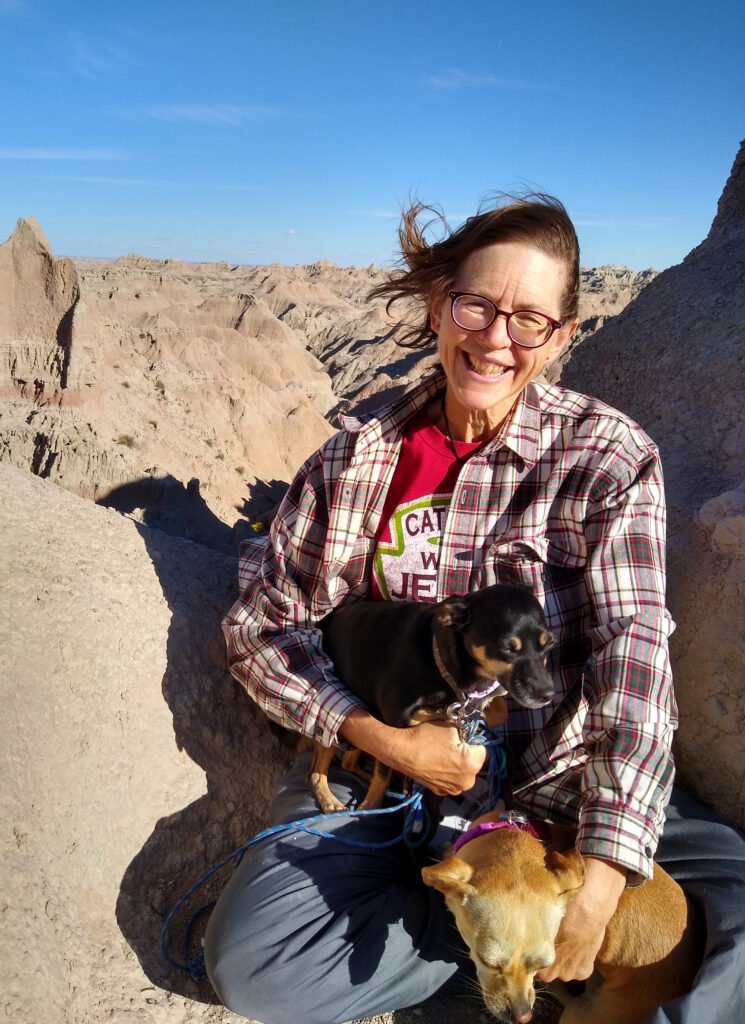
(220, 729)
(180, 511)
(261, 504)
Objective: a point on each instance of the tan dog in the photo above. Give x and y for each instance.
(508, 892)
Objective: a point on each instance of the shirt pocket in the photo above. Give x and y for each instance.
(553, 573)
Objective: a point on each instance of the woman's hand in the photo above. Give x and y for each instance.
(582, 930)
(431, 753)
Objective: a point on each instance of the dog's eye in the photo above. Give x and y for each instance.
(491, 965)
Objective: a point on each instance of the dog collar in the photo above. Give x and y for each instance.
(493, 687)
(511, 820)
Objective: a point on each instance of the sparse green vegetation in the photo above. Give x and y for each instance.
(127, 440)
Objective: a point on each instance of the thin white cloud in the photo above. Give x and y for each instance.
(120, 182)
(58, 153)
(95, 179)
(95, 57)
(620, 223)
(452, 79)
(220, 115)
(236, 188)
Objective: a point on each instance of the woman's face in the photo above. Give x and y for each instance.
(485, 370)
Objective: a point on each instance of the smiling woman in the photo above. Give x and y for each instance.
(481, 474)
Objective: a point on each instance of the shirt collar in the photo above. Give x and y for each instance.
(521, 432)
(392, 418)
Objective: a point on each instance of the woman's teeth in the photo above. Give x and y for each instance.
(485, 369)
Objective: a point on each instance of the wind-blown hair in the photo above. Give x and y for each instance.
(538, 219)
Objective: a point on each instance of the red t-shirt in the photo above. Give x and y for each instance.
(407, 549)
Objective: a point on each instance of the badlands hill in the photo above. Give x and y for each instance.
(130, 761)
(139, 376)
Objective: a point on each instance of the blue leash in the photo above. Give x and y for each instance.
(414, 833)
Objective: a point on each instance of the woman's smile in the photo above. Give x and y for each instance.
(484, 368)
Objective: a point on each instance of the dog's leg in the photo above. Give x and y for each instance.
(626, 995)
(350, 762)
(378, 786)
(495, 712)
(318, 779)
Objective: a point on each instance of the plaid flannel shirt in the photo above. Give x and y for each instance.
(568, 500)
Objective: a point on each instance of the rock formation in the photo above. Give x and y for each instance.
(39, 295)
(674, 359)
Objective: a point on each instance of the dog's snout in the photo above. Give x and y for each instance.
(531, 683)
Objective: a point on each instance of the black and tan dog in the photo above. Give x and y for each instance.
(412, 662)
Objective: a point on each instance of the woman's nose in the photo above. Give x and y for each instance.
(495, 335)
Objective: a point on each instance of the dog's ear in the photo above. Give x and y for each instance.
(451, 877)
(569, 869)
(453, 611)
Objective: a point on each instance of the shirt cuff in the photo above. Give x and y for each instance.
(619, 834)
(325, 711)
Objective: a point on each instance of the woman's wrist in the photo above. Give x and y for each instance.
(368, 733)
(604, 883)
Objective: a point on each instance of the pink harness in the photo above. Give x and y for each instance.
(509, 820)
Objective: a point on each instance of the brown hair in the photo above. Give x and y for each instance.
(535, 218)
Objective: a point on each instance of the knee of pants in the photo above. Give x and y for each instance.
(240, 982)
(273, 995)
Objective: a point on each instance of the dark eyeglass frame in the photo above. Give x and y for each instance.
(555, 325)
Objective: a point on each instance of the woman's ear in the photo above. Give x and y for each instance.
(436, 301)
(558, 341)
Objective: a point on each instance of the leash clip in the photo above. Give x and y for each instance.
(460, 713)
(515, 818)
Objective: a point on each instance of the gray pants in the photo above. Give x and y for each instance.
(313, 929)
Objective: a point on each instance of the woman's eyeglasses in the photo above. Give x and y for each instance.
(525, 327)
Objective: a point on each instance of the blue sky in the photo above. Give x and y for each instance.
(292, 130)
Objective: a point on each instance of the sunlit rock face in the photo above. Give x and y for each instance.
(674, 359)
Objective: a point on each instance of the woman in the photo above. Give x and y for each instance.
(481, 474)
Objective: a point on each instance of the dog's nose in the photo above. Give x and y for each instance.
(522, 1015)
(545, 691)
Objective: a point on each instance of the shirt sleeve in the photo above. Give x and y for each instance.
(632, 714)
(274, 646)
